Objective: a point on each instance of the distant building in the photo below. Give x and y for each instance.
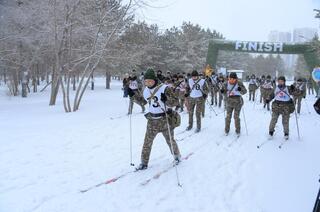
(276, 36)
(304, 34)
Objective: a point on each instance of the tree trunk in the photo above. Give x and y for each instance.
(47, 76)
(24, 84)
(68, 93)
(74, 82)
(54, 86)
(108, 80)
(15, 83)
(92, 82)
(34, 83)
(5, 77)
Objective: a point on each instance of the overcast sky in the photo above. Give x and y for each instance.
(236, 19)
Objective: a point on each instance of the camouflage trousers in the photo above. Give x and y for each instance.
(181, 100)
(135, 100)
(220, 95)
(277, 110)
(261, 94)
(252, 94)
(197, 103)
(233, 104)
(155, 126)
(214, 96)
(203, 111)
(266, 96)
(297, 101)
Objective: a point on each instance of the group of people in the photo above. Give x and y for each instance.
(167, 95)
(267, 86)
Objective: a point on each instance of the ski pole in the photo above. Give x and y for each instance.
(245, 122)
(317, 203)
(211, 107)
(297, 123)
(171, 145)
(130, 118)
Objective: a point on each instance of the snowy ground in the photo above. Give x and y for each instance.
(48, 156)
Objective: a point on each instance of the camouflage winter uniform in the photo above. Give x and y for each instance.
(299, 92)
(310, 87)
(205, 97)
(262, 81)
(157, 123)
(135, 87)
(252, 89)
(180, 90)
(197, 103)
(214, 89)
(268, 91)
(234, 103)
(281, 108)
(221, 96)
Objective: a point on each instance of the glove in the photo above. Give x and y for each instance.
(304, 97)
(186, 95)
(239, 89)
(292, 87)
(130, 92)
(222, 90)
(204, 95)
(267, 101)
(169, 111)
(163, 98)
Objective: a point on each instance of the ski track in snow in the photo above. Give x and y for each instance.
(47, 157)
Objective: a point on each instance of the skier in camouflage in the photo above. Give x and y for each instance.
(281, 106)
(197, 91)
(233, 90)
(252, 87)
(299, 92)
(134, 92)
(159, 97)
(268, 91)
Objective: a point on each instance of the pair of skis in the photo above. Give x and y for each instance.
(109, 181)
(189, 135)
(123, 116)
(221, 141)
(154, 177)
(269, 140)
(157, 175)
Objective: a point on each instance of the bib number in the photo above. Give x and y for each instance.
(155, 102)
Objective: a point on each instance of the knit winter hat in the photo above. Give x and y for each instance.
(150, 74)
(194, 74)
(233, 75)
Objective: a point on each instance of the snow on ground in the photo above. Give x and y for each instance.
(48, 156)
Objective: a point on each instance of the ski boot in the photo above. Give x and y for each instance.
(286, 136)
(177, 160)
(188, 128)
(141, 167)
(271, 135)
